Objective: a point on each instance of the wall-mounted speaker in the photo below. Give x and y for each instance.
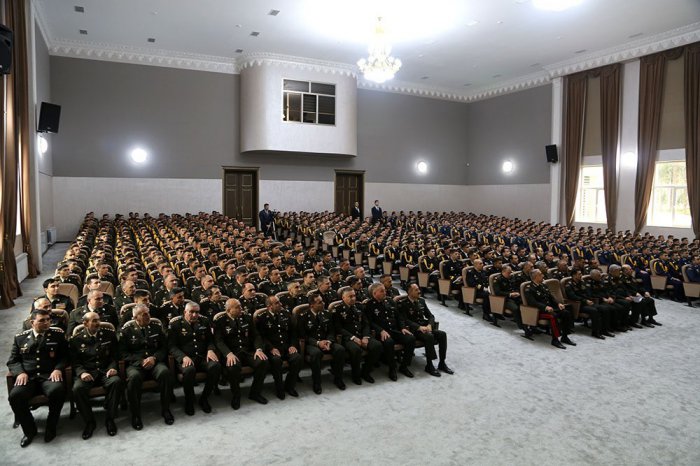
(552, 154)
(5, 50)
(48, 118)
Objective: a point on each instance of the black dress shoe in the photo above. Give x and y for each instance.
(357, 380)
(392, 374)
(655, 323)
(647, 324)
(49, 434)
(15, 424)
(292, 392)
(406, 371)
(89, 429)
(608, 334)
(26, 440)
(317, 388)
(189, 409)
(443, 367)
(204, 404)
(567, 341)
(557, 344)
(636, 325)
(598, 336)
(111, 427)
(367, 378)
(236, 402)
(258, 399)
(432, 371)
(168, 417)
(339, 383)
(136, 423)
(280, 394)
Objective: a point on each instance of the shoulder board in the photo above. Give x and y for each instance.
(128, 324)
(175, 319)
(56, 329)
(24, 333)
(107, 329)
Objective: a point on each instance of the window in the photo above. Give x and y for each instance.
(308, 102)
(668, 206)
(590, 203)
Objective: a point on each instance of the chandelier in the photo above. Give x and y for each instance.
(379, 66)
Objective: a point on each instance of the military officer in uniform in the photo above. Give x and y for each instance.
(191, 343)
(390, 327)
(37, 360)
(577, 290)
(642, 303)
(143, 345)
(452, 271)
(94, 358)
(317, 328)
(391, 290)
(172, 308)
(422, 323)
(58, 301)
(479, 279)
(274, 285)
(95, 303)
(278, 332)
(351, 322)
(250, 300)
(238, 342)
(504, 286)
(294, 297)
(539, 296)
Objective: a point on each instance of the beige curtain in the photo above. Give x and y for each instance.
(692, 127)
(610, 136)
(574, 122)
(651, 85)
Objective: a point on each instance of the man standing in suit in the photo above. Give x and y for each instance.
(356, 213)
(266, 220)
(376, 212)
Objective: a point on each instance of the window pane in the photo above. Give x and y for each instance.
(299, 86)
(590, 203)
(600, 204)
(294, 106)
(682, 209)
(679, 174)
(664, 174)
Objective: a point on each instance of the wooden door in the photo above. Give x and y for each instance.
(349, 189)
(241, 195)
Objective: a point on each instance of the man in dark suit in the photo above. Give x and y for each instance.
(376, 212)
(356, 212)
(266, 220)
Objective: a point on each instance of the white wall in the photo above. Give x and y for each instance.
(74, 197)
(262, 128)
(294, 196)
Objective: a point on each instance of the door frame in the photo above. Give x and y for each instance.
(361, 173)
(235, 168)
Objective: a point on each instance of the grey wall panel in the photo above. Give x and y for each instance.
(514, 126)
(43, 93)
(189, 121)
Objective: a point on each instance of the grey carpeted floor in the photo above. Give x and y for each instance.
(634, 399)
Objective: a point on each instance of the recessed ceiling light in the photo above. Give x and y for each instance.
(499, 22)
(83, 32)
(239, 50)
(422, 167)
(580, 51)
(634, 36)
(507, 167)
(79, 9)
(496, 75)
(467, 84)
(555, 5)
(273, 12)
(521, 1)
(138, 155)
(420, 55)
(472, 22)
(425, 77)
(255, 33)
(154, 13)
(151, 40)
(535, 65)
(239, 25)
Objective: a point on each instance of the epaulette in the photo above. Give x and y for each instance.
(129, 323)
(23, 333)
(57, 329)
(175, 319)
(109, 329)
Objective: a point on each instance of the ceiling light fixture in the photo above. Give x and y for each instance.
(379, 66)
(556, 5)
(139, 155)
(508, 167)
(422, 167)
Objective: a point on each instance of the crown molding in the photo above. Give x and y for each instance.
(308, 64)
(142, 56)
(644, 46)
(38, 15)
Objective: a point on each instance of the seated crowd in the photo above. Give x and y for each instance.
(204, 298)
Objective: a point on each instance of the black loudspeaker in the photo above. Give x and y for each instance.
(552, 155)
(48, 118)
(5, 50)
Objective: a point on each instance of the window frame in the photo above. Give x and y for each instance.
(674, 188)
(598, 190)
(303, 95)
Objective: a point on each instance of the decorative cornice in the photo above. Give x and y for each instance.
(644, 46)
(309, 64)
(43, 24)
(142, 56)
